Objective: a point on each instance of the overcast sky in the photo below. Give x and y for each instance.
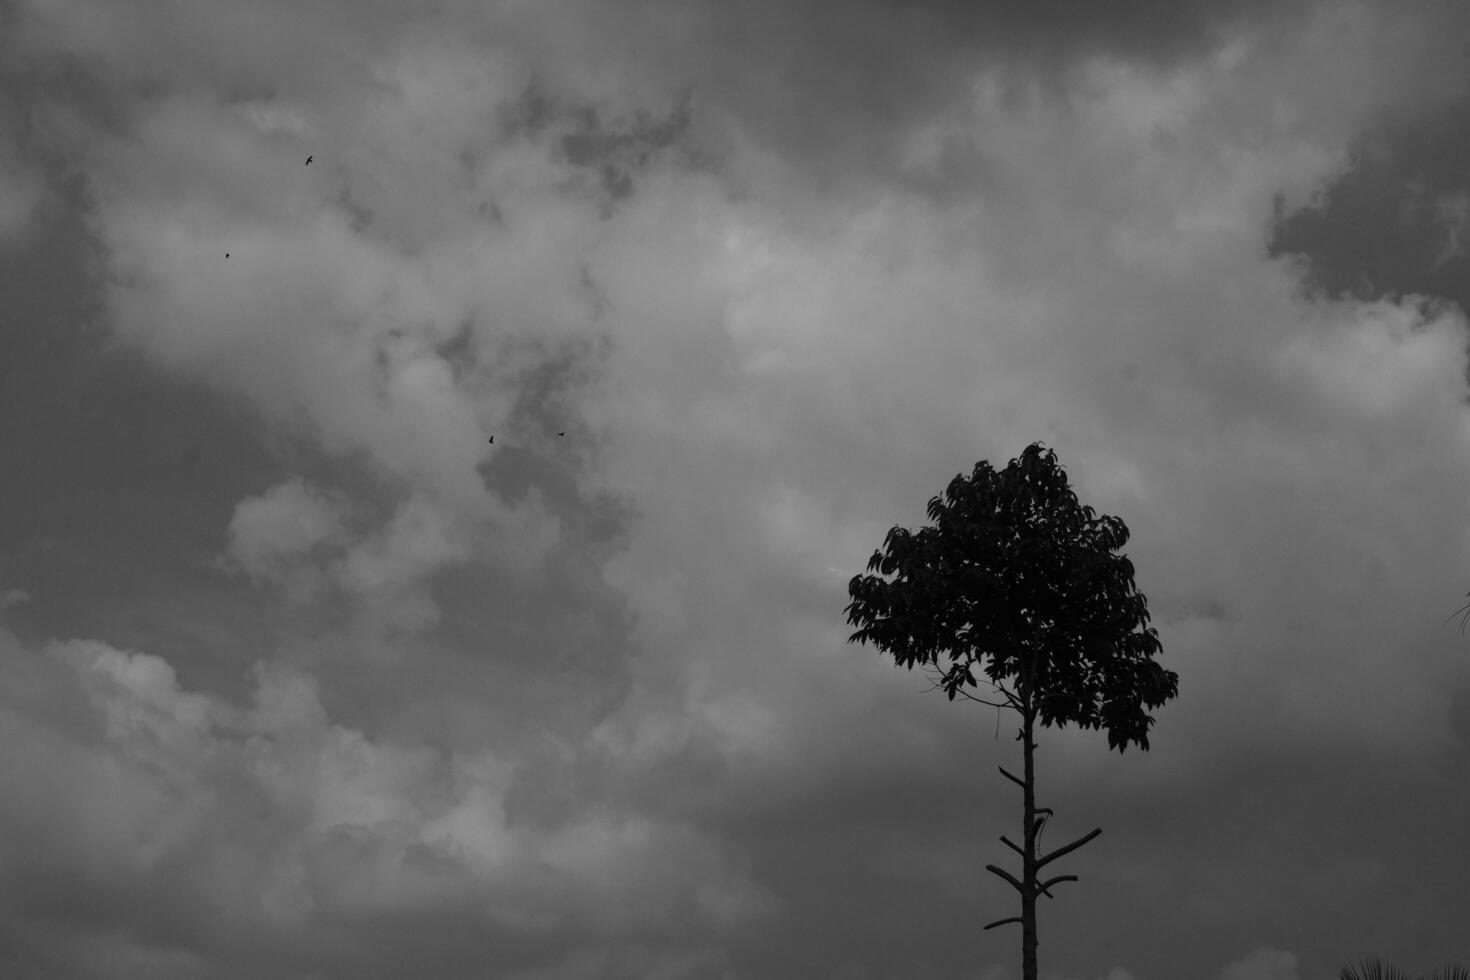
(305, 679)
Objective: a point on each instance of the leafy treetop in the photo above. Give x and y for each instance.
(1014, 568)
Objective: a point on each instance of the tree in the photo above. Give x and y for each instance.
(1014, 569)
(1374, 970)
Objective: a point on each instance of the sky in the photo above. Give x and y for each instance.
(306, 679)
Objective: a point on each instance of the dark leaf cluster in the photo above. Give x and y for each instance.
(1016, 576)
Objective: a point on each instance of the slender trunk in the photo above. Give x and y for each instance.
(1028, 860)
(1028, 698)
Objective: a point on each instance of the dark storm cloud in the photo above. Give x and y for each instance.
(1394, 221)
(898, 40)
(838, 84)
(613, 151)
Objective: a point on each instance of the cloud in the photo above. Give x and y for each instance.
(621, 962)
(22, 189)
(416, 543)
(304, 540)
(278, 820)
(21, 194)
(1452, 210)
(271, 533)
(998, 972)
(779, 375)
(1397, 361)
(1265, 963)
(841, 87)
(813, 371)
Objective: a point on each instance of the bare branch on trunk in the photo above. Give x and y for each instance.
(1047, 884)
(1042, 862)
(1008, 877)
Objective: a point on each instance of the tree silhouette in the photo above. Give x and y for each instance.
(1374, 970)
(1015, 569)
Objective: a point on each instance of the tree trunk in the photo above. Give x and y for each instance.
(1028, 860)
(1029, 885)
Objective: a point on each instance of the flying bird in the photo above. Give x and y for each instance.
(561, 433)
(227, 255)
(492, 440)
(308, 161)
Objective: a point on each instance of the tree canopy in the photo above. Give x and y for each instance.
(1016, 574)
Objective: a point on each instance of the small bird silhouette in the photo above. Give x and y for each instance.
(492, 440)
(308, 161)
(227, 255)
(561, 433)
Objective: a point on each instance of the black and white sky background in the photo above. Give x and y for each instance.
(303, 679)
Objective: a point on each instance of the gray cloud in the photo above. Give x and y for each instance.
(582, 705)
(183, 813)
(838, 85)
